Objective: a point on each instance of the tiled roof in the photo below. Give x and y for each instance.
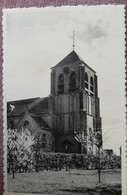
(34, 105)
(39, 121)
(70, 58)
(40, 106)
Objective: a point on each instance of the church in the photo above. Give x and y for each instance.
(70, 115)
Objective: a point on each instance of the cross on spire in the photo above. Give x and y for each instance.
(73, 37)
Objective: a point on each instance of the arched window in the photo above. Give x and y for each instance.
(69, 124)
(86, 82)
(26, 124)
(90, 134)
(67, 146)
(61, 83)
(60, 123)
(72, 81)
(11, 124)
(91, 86)
(44, 141)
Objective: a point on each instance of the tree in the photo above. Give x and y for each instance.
(19, 150)
(24, 154)
(12, 148)
(38, 146)
(96, 139)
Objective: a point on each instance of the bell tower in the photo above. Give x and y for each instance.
(74, 104)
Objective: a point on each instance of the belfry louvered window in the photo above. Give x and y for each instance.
(61, 84)
(72, 81)
(91, 86)
(86, 82)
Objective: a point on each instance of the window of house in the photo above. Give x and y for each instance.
(91, 86)
(61, 83)
(72, 81)
(86, 82)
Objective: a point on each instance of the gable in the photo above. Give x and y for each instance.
(32, 122)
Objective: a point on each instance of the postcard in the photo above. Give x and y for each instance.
(64, 100)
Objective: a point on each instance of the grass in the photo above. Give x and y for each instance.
(61, 182)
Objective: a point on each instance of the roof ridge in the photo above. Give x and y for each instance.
(23, 100)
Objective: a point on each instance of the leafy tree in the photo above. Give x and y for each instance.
(12, 148)
(39, 146)
(24, 153)
(19, 152)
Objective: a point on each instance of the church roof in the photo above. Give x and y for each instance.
(70, 58)
(39, 121)
(34, 105)
(40, 106)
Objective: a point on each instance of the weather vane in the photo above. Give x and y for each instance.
(73, 37)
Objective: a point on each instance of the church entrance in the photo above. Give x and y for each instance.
(67, 147)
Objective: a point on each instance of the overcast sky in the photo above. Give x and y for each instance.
(36, 39)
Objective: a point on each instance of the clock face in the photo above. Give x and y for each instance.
(66, 70)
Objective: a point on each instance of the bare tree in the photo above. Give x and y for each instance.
(96, 139)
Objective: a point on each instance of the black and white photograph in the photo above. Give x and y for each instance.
(64, 102)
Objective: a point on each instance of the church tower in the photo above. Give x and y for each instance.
(74, 105)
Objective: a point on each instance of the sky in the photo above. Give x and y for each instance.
(36, 39)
